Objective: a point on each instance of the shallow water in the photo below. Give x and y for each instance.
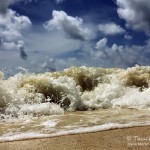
(71, 123)
(73, 101)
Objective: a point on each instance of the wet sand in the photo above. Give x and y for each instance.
(136, 138)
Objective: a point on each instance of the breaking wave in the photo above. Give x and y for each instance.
(76, 88)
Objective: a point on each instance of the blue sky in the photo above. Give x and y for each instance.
(50, 35)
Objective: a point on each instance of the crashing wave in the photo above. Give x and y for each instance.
(76, 88)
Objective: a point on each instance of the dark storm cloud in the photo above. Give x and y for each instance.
(3, 6)
(5, 3)
(23, 54)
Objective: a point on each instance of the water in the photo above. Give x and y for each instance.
(75, 100)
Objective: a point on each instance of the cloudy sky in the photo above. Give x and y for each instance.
(50, 35)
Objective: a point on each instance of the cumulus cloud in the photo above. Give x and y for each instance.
(73, 27)
(135, 13)
(103, 56)
(101, 43)
(120, 55)
(110, 29)
(12, 25)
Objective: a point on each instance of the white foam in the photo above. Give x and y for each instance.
(50, 123)
(32, 135)
(22, 136)
(31, 94)
(97, 128)
(42, 108)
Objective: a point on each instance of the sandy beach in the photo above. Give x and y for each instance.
(136, 138)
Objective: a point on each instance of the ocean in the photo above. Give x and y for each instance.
(76, 100)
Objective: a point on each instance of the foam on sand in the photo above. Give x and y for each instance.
(32, 135)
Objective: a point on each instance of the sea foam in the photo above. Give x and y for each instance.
(36, 135)
(76, 88)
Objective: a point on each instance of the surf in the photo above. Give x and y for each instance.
(28, 98)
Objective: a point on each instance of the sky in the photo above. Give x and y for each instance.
(52, 35)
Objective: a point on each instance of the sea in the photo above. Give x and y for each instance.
(76, 100)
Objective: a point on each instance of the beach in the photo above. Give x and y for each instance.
(80, 108)
(74, 75)
(134, 138)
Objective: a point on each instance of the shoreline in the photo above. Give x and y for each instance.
(121, 139)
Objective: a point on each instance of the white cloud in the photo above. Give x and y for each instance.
(9, 45)
(12, 25)
(101, 43)
(119, 55)
(73, 27)
(103, 56)
(10, 34)
(128, 37)
(110, 29)
(135, 13)
(14, 46)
